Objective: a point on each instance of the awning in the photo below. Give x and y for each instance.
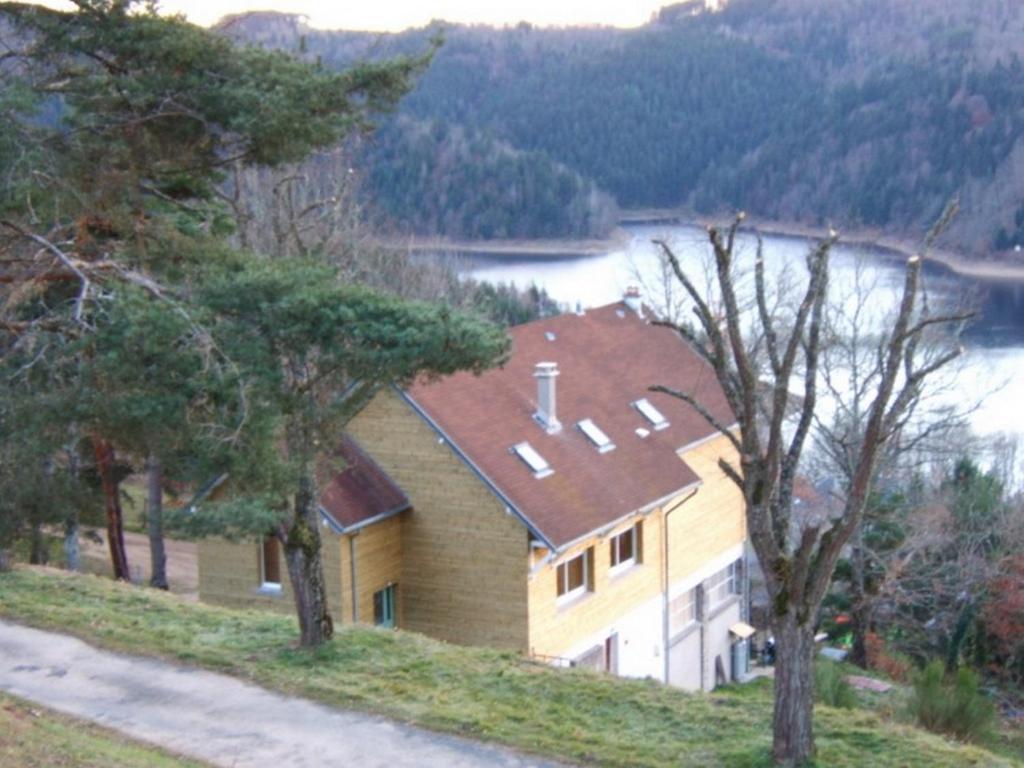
(742, 630)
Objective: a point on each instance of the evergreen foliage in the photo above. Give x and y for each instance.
(831, 687)
(128, 314)
(874, 113)
(951, 704)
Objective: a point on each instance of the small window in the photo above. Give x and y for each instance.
(384, 607)
(574, 575)
(625, 547)
(651, 413)
(532, 459)
(594, 433)
(270, 563)
(723, 585)
(682, 610)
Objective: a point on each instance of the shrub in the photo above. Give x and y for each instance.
(880, 659)
(831, 687)
(954, 705)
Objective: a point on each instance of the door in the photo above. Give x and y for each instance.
(384, 607)
(611, 653)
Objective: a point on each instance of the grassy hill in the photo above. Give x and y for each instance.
(31, 737)
(485, 694)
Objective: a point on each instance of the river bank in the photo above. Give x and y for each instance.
(582, 248)
(861, 238)
(541, 248)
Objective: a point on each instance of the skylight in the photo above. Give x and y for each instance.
(651, 413)
(533, 460)
(600, 440)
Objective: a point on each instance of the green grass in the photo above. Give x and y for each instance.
(487, 694)
(33, 737)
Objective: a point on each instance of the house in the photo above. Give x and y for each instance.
(555, 506)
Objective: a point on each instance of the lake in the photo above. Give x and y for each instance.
(992, 367)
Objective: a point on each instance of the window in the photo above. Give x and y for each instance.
(626, 547)
(384, 607)
(533, 460)
(270, 564)
(596, 436)
(574, 575)
(682, 611)
(723, 585)
(651, 413)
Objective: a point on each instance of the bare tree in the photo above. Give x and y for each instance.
(933, 429)
(307, 208)
(797, 564)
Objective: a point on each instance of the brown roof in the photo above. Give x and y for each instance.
(607, 359)
(355, 491)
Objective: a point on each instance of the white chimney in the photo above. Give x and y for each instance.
(546, 373)
(633, 301)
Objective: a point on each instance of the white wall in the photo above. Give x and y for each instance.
(639, 641)
(641, 645)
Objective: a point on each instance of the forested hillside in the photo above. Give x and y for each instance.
(870, 113)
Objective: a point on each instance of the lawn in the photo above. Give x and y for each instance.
(32, 737)
(486, 694)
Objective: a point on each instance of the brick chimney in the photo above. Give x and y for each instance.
(546, 373)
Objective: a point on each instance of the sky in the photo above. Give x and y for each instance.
(394, 15)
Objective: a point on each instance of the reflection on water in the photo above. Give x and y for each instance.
(993, 365)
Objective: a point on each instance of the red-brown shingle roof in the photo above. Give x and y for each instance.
(607, 359)
(360, 492)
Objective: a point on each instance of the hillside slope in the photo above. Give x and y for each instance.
(866, 113)
(578, 715)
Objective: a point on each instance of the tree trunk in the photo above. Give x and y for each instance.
(302, 553)
(112, 501)
(155, 521)
(5, 560)
(793, 739)
(72, 551)
(40, 554)
(859, 618)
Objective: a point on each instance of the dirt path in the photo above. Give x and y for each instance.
(216, 718)
(182, 561)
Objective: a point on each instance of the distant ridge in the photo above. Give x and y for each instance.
(864, 113)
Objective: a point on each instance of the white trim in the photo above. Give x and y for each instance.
(569, 596)
(626, 565)
(652, 414)
(613, 542)
(595, 435)
(268, 587)
(532, 459)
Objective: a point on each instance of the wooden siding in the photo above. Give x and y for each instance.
(558, 625)
(703, 527)
(464, 558)
(378, 549)
(711, 522)
(229, 574)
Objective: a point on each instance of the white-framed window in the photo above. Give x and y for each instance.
(537, 463)
(573, 576)
(723, 585)
(626, 547)
(682, 610)
(652, 414)
(270, 564)
(596, 435)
